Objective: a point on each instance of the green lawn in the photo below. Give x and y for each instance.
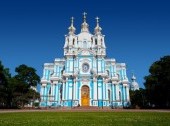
(85, 119)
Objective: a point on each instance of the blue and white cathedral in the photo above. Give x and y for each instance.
(84, 77)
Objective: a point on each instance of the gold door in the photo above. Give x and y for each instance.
(85, 96)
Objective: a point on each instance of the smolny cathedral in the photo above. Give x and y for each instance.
(85, 77)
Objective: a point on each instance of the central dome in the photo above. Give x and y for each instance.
(84, 36)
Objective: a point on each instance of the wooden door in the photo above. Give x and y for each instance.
(85, 96)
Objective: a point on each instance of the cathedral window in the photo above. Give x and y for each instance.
(109, 96)
(120, 96)
(50, 91)
(73, 41)
(95, 41)
(85, 67)
(62, 71)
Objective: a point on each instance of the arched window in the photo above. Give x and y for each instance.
(61, 89)
(73, 41)
(95, 41)
(109, 96)
(120, 96)
(101, 41)
(50, 91)
(91, 41)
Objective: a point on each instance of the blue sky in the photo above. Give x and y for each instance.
(32, 32)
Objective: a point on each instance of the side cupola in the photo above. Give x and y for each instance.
(70, 39)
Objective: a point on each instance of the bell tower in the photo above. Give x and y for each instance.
(98, 43)
(70, 40)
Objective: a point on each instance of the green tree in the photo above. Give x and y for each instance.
(27, 75)
(4, 77)
(27, 80)
(138, 98)
(157, 83)
(18, 90)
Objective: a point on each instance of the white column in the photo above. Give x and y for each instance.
(113, 92)
(104, 91)
(127, 91)
(100, 91)
(66, 92)
(95, 91)
(41, 91)
(70, 91)
(52, 89)
(117, 92)
(80, 95)
(124, 93)
(54, 92)
(102, 65)
(115, 69)
(122, 74)
(57, 92)
(45, 92)
(125, 72)
(55, 69)
(75, 89)
(63, 91)
(112, 71)
(43, 72)
(46, 74)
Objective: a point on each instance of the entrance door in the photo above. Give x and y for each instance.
(85, 95)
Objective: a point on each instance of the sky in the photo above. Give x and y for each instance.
(136, 32)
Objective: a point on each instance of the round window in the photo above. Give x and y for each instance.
(85, 67)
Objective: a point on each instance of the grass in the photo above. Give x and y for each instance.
(85, 119)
